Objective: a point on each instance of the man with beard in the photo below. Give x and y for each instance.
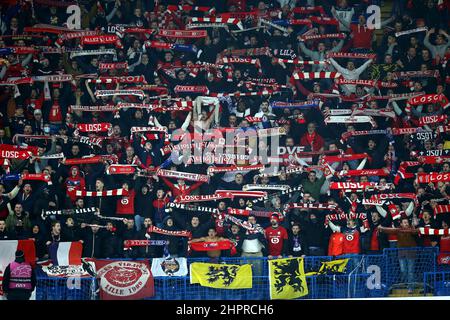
(105, 205)
(297, 246)
(277, 238)
(235, 235)
(196, 228)
(378, 241)
(147, 251)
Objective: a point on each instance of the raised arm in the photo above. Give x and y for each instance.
(89, 90)
(410, 208)
(381, 211)
(337, 66)
(344, 23)
(308, 52)
(334, 227)
(427, 43)
(338, 47)
(186, 122)
(363, 67)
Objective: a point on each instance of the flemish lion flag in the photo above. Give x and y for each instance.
(287, 278)
(222, 276)
(331, 267)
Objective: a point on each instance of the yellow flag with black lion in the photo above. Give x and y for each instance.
(287, 278)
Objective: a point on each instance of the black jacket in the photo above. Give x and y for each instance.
(92, 243)
(297, 245)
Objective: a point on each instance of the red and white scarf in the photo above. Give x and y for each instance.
(232, 21)
(316, 75)
(185, 34)
(112, 65)
(238, 193)
(433, 177)
(246, 213)
(315, 206)
(432, 119)
(182, 175)
(434, 232)
(323, 36)
(202, 198)
(390, 196)
(351, 55)
(349, 119)
(428, 99)
(235, 168)
(101, 40)
(123, 79)
(402, 33)
(107, 193)
(105, 108)
(191, 89)
(345, 157)
(121, 169)
(107, 93)
(363, 172)
(184, 233)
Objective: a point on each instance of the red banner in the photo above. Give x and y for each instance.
(211, 246)
(124, 280)
(433, 177)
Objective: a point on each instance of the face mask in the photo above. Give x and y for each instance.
(46, 129)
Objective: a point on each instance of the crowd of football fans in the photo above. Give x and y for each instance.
(39, 108)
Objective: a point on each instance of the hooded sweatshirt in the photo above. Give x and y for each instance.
(74, 183)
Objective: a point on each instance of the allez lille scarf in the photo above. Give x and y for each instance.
(101, 40)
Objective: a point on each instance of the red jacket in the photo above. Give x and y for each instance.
(315, 141)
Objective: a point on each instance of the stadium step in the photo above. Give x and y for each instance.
(386, 8)
(401, 290)
(404, 293)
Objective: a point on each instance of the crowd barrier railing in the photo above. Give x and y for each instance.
(366, 276)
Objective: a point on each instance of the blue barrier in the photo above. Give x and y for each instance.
(366, 276)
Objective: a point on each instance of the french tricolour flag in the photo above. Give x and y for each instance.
(8, 250)
(65, 253)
